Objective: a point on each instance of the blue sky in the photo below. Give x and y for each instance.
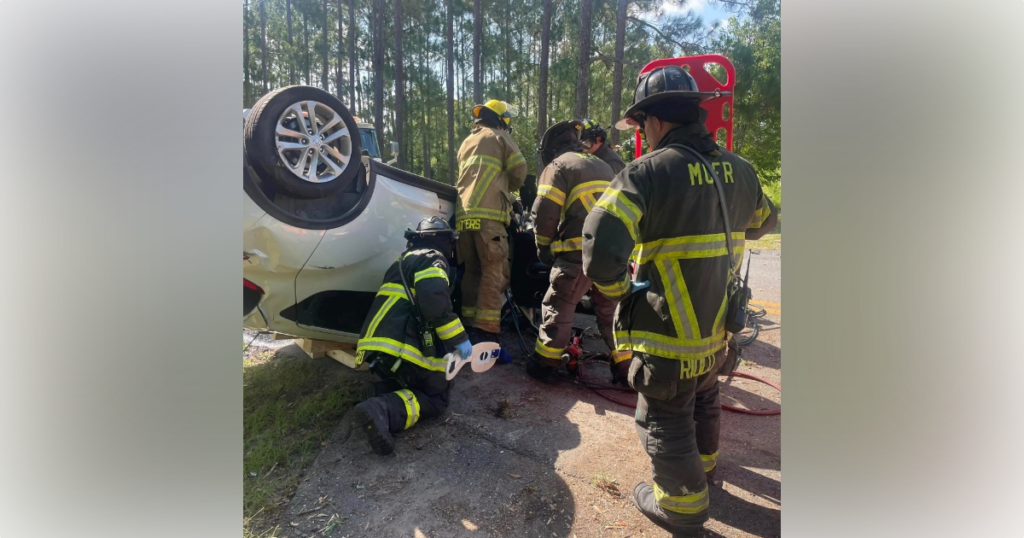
(710, 12)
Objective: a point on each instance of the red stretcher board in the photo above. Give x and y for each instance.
(716, 107)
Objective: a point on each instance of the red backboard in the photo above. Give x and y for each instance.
(720, 111)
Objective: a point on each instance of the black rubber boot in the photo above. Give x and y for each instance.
(372, 417)
(479, 335)
(620, 373)
(643, 498)
(373, 389)
(541, 373)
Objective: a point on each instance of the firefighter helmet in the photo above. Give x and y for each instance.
(664, 84)
(504, 111)
(592, 130)
(429, 227)
(558, 137)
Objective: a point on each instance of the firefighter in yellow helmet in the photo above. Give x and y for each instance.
(491, 168)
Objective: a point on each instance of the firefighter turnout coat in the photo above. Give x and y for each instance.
(567, 190)
(491, 168)
(665, 206)
(391, 327)
(609, 156)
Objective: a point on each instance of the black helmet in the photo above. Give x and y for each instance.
(558, 137)
(592, 130)
(430, 227)
(664, 84)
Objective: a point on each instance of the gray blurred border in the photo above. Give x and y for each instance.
(120, 394)
(120, 386)
(902, 130)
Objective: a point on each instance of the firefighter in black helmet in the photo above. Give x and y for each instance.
(594, 140)
(666, 205)
(569, 185)
(410, 364)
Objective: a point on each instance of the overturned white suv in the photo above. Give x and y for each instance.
(322, 219)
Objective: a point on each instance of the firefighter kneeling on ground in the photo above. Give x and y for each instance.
(570, 184)
(667, 203)
(491, 168)
(405, 355)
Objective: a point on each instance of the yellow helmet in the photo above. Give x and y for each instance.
(504, 110)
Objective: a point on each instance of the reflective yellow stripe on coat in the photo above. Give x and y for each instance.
(569, 245)
(616, 203)
(450, 330)
(430, 272)
(402, 351)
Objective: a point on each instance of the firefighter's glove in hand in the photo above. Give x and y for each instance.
(465, 349)
(637, 286)
(545, 256)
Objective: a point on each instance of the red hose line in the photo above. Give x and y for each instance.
(726, 407)
(751, 411)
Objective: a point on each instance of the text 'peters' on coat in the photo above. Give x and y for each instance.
(491, 168)
(391, 327)
(665, 205)
(567, 190)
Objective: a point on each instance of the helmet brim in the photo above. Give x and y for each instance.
(627, 122)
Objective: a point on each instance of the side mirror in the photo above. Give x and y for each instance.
(394, 148)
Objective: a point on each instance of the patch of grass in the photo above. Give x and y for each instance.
(503, 409)
(332, 525)
(772, 241)
(607, 484)
(290, 407)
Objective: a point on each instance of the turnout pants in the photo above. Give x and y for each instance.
(678, 423)
(485, 253)
(604, 308)
(409, 391)
(568, 286)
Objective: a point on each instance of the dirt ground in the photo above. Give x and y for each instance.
(516, 458)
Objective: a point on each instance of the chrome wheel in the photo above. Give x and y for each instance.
(313, 141)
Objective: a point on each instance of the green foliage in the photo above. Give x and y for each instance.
(754, 46)
(290, 407)
(510, 62)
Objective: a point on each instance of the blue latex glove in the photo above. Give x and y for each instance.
(465, 349)
(637, 286)
(504, 357)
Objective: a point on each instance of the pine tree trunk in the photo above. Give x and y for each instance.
(620, 38)
(506, 61)
(305, 46)
(377, 28)
(291, 46)
(245, 30)
(341, 54)
(583, 70)
(450, 83)
(399, 85)
(324, 81)
(478, 37)
(352, 60)
(542, 93)
(263, 43)
(425, 127)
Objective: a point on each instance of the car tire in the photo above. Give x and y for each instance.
(308, 165)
